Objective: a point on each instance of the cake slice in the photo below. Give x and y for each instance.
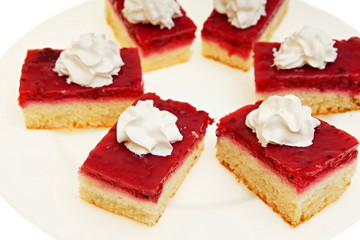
(296, 182)
(333, 89)
(139, 186)
(159, 46)
(233, 45)
(48, 101)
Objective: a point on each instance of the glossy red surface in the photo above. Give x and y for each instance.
(300, 166)
(342, 75)
(152, 38)
(144, 176)
(39, 82)
(237, 41)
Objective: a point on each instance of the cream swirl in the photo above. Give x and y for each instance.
(308, 46)
(156, 12)
(91, 61)
(283, 120)
(145, 129)
(241, 13)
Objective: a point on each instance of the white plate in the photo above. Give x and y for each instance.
(38, 168)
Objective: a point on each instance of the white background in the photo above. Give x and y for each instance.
(19, 17)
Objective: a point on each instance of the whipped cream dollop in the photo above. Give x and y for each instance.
(145, 129)
(90, 61)
(309, 46)
(283, 120)
(156, 12)
(241, 13)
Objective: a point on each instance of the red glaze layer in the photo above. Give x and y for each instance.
(40, 83)
(144, 176)
(300, 166)
(342, 75)
(238, 41)
(153, 39)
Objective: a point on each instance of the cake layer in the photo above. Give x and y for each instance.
(73, 113)
(230, 45)
(278, 193)
(143, 176)
(115, 200)
(166, 59)
(158, 47)
(40, 83)
(321, 102)
(301, 167)
(214, 51)
(341, 78)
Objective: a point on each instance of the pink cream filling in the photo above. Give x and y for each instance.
(103, 100)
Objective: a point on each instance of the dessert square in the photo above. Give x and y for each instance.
(233, 46)
(49, 102)
(140, 186)
(159, 47)
(296, 182)
(333, 89)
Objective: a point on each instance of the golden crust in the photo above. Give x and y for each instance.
(293, 207)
